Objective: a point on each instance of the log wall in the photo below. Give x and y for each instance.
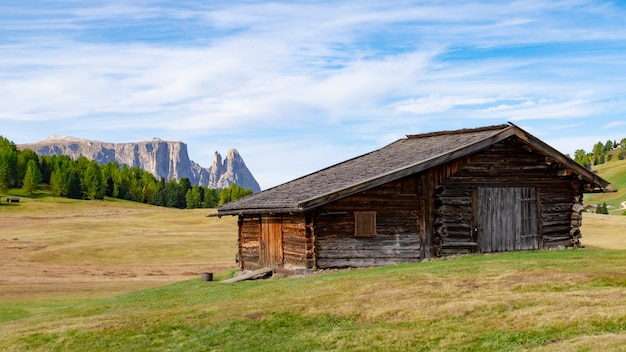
(397, 238)
(297, 242)
(295, 239)
(249, 242)
(506, 164)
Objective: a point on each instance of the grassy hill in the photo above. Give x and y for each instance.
(93, 276)
(545, 301)
(613, 171)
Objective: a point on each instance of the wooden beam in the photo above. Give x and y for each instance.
(564, 172)
(459, 244)
(249, 276)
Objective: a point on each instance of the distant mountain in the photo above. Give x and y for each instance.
(161, 158)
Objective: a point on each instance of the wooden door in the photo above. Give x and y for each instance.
(271, 242)
(507, 219)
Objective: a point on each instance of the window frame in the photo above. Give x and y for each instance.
(365, 223)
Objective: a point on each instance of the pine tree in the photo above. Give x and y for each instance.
(599, 155)
(148, 191)
(109, 173)
(74, 189)
(23, 159)
(211, 198)
(58, 183)
(8, 163)
(173, 195)
(233, 192)
(622, 149)
(602, 209)
(159, 197)
(135, 191)
(92, 182)
(225, 196)
(4, 178)
(193, 198)
(32, 178)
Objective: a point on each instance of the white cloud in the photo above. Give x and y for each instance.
(357, 73)
(614, 124)
(436, 103)
(507, 107)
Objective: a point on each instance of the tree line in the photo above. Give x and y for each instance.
(86, 179)
(601, 153)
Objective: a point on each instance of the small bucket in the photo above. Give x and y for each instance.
(207, 276)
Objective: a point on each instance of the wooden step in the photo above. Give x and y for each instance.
(250, 276)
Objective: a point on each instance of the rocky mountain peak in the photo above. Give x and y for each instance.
(233, 168)
(62, 139)
(166, 159)
(233, 154)
(217, 158)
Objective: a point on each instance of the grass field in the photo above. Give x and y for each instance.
(613, 171)
(55, 250)
(124, 276)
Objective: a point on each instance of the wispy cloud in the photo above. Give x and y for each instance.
(353, 74)
(614, 124)
(435, 103)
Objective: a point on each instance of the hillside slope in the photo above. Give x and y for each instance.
(613, 171)
(542, 301)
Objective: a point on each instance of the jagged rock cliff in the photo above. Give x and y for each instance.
(161, 158)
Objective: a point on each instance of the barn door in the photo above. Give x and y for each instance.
(507, 219)
(271, 242)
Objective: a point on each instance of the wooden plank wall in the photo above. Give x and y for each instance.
(508, 219)
(295, 235)
(271, 241)
(249, 242)
(507, 164)
(297, 242)
(397, 228)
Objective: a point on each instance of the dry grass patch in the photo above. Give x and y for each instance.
(55, 248)
(604, 231)
(600, 342)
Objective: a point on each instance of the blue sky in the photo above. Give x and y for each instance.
(298, 86)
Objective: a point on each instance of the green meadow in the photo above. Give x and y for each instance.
(613, 171)
(561, 300)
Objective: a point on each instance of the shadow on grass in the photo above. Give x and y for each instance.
(16, 192)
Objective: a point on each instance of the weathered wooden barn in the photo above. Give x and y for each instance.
(489, 189)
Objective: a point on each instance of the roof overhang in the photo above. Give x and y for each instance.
(256, 211)
(564, 161)
(450, 155)
(460, 152)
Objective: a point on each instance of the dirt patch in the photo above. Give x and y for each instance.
(15, 248)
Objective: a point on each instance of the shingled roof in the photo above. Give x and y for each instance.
(404, 157)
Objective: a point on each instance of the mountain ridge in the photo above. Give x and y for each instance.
(167, 159)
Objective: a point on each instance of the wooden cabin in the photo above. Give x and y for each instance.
(481, 190)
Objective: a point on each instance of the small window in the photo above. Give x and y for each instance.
(364, 223)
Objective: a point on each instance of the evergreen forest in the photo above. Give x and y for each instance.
(86, 179)
(601, 153)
